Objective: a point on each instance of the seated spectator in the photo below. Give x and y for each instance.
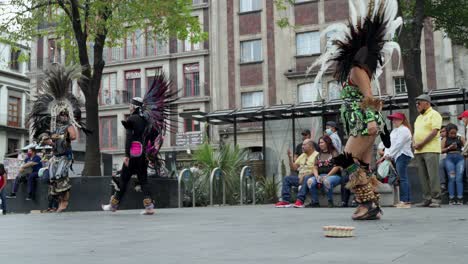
(3, 178)
(304, 164)
(326, 174)
(298, 150)
(454, 164)
(28, 170)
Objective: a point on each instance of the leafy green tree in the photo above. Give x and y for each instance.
(104, 23)
(451, 16)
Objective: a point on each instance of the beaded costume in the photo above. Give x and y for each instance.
(53, 114)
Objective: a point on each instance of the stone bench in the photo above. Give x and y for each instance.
(88, 193)
(387, 196)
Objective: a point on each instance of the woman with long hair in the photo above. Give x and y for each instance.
(325, 172)
(358, 51)
(401, 153)
(454, 164)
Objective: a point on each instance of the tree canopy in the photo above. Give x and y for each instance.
(84, 27)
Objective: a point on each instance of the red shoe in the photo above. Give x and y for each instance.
(282, 205)
(299, 204)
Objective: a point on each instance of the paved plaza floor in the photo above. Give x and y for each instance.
(248, 234)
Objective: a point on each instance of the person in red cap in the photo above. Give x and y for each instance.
(401, 153)
(464, 118)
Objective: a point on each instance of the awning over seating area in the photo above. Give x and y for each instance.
(439, 97)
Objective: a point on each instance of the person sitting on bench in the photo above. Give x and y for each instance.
(29, 170)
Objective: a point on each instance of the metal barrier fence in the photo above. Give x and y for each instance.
(219, 175)
(185, 175)
(246, 173)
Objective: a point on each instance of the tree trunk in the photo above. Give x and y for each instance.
(93, 154)
(410, 43)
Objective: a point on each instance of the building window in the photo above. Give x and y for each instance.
(14, 59)
(308, 43)
(252, 99)
(111, 54)
(334, 90)
(151, 74)
(250, 5)
(55, 52)
(108, 129)
(191, 125)
(308, 93)
(12, 145)
(400, 85)
(188, 44)
(154, 44)
(134, 44)
(107, 94)
(14, 105)
(191, 80)
(251, 50)
(132, 85)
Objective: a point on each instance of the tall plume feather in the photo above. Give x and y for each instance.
(372, 24)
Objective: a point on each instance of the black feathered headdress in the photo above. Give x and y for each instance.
(157, 108)
(55, 97)
(367, 39)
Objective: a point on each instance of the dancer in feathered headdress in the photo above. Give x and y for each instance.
(146, 127)
(359, 51)
(54, 117)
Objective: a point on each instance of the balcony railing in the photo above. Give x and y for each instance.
(118, 97)
(120, 54)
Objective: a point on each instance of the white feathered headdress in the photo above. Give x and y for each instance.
(55, 97)
(367, 39)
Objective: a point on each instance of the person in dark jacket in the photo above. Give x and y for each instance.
(135, 161)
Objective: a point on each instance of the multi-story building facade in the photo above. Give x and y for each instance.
(14, 99)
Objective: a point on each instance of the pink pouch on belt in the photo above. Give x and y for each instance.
(136, 149)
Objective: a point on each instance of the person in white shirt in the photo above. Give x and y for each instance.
(332, 131)
(401, 152)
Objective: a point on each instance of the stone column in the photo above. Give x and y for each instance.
(3, 105)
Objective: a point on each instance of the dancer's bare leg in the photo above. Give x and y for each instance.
(361, 147)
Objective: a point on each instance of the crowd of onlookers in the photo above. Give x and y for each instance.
(438, 152)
